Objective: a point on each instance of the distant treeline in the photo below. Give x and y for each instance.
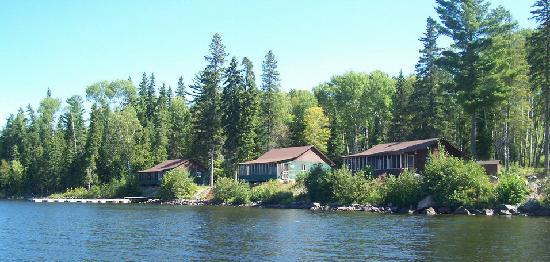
(487, 93)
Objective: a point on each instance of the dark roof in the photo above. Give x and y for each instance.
(285, 154)
(171, 164)
(489, 162)
(399, 147)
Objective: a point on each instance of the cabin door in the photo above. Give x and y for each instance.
(284, 174)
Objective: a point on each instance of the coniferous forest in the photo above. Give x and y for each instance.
(487, 93)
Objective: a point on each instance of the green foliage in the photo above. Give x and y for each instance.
(545, 192)
(404, 190)
(316, 130)
(341, 186)
(512, 188)
(272, 192)
(454, 182)
(229, 191)
(177, 184)
(115, 189)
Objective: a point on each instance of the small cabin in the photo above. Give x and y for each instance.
(282, 163)
(492, 167)
(153, 176)
(394, 158)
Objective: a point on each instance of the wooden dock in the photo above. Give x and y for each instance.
(94, 201)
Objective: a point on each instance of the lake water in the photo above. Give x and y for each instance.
(111, 232)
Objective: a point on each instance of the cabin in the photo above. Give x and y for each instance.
(153, 176)
(394, 158)
(492, 167)
(282, 163)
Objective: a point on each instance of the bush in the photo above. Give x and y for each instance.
(404, 190)
(229, 191)
(116, 188)
(272, 192)
(177, 184)
(453, 182)
(512, 188)
(341, 186)
(545, 190)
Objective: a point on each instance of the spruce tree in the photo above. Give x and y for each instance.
(180, 89)
(231, 113)
(207, 105)
(270, 107)
(399, 129)
(249, 144)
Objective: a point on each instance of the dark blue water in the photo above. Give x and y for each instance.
(65, 231)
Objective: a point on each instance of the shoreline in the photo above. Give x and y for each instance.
(527, 209)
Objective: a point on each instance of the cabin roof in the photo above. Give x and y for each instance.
(401, 147)
(285, 154)
(173, 163)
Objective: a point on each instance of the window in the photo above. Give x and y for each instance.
(410, 161)
(303, 167)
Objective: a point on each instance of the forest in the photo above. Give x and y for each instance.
(487, 92)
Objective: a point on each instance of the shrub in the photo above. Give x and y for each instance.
(545, 191)
(78, 192)
(341, 186)
(454, 182)
(177, 184)
(230, 191)
(272, 192)
(116, 188)
(512, 188)
(404, 190)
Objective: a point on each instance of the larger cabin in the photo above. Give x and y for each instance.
(282, 163)
(153, 176)
(394, 158)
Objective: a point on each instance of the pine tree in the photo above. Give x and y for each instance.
(470, 25)
(399, 129)
(180, 89)
(270, 107)
(74, 130)
(231, 113)
(207, 105)
(249, 144)
(151, 98)
(539, 61)
(142, 99)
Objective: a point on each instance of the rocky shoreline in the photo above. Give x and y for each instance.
(530, 208)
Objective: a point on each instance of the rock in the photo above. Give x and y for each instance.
(316, 204)
(425, 203)
(510, 208)
(462, 211)
(405, 211)
(487, 212)
(532, 205)
(444, 210)
(503, 212)
(430, 211)
(376, 209)
(475, 211)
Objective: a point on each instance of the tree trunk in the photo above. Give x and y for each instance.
(211, 169)
(473, 134)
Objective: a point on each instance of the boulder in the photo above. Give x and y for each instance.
(531, 206)
(510, 208)
(405, 211)
(503, 212)
(444, 210)
(425, 203)
(462, 211)
(316, 204)
(487, 212)
(430, 211)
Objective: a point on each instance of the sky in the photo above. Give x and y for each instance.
(68, 45)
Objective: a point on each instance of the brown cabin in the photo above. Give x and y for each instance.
(394, 158)
(153, 176)
(492, 167)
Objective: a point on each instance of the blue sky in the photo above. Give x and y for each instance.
(68, 45)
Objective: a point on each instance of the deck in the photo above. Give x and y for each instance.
(76, 200)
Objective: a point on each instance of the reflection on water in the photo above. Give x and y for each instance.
(63, 231)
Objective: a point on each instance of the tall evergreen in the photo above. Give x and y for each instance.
(249, 119)
(399, 129)
(207, 105)
(539, 61)
(270, 114)
(470, 25)
(231, 114)
(180, 89)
